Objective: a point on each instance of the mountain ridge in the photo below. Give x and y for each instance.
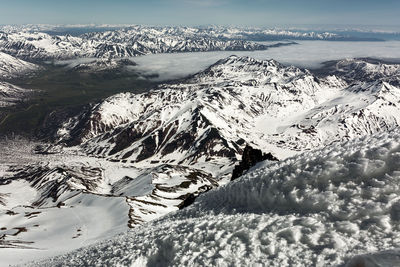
(153, 151)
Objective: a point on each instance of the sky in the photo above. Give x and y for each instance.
(203, 12)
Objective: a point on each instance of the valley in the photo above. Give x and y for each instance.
(58, 89)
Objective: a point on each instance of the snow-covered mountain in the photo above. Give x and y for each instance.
(238, 100)
(366, 70)
(319, 208)
(103, 64)
(225, 32)
(11, 94)
(204, 122)
(153, 153)
(32, 41)
(10, 68)
(112, 44)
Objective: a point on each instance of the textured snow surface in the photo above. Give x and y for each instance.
(378, 259)
(319, 208)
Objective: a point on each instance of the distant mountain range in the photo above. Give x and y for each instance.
(29, 43)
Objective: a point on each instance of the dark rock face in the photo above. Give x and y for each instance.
(191, 197)
(47, 131)
(250, 157)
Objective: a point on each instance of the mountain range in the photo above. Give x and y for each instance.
(39, 43)
(129, 160)
(153, 153)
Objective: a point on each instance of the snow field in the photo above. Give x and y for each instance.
(316, 209)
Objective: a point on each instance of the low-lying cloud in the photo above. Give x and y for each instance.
(307, 54)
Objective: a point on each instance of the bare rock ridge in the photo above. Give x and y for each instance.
(250, 157)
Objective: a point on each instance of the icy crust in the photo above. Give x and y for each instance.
(354, 182)
(319, 208)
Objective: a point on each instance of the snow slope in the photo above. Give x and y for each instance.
(100, 65)
(96, 199)
(156, 151)
(11, 66)
(319, 208)
(11, 94)
(42, 213)
(199, 126)
(367, 70)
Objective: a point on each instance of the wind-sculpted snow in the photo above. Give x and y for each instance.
(319, 208)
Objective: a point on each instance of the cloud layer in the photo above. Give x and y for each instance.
(308, 54)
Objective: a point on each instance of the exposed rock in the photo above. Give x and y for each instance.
(250, 158)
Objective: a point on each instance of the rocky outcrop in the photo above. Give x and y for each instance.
(250, 158)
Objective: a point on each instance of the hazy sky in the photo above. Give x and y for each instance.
(194, 12)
